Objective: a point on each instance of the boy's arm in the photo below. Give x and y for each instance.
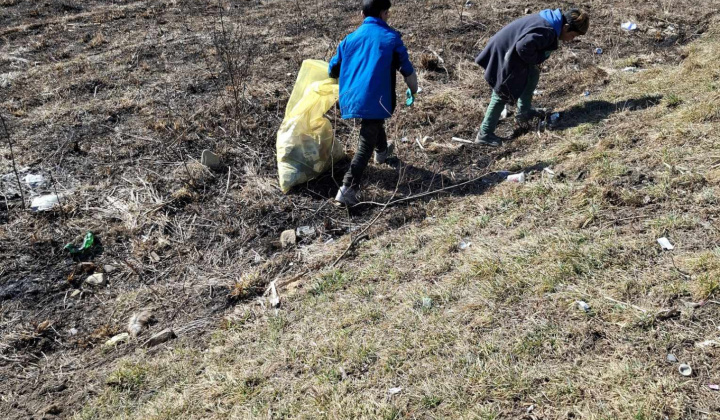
(406, 68)
(531, 48)
(335, 62)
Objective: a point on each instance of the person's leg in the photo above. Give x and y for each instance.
(492, 115)
(382, 144)
(369, 133)
(524, 104)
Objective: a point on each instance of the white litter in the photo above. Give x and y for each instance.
(583, 305)
(629, 26)
(538, 92)
(631, 70)
(517, 178)
(44, 202)
(665, 244)
(464, 245)
(34, 181)
(393, 391)
(459, 140)
(504, 113)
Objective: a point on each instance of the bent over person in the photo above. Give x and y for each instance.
(365, 65)
(511, 61)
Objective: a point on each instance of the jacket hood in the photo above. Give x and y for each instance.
(554, 18)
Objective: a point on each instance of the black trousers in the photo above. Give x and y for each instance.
(372, 137)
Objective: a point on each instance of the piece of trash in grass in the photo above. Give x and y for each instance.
(517, 178)
(88, 242)
(405, 140)
(671, 358)
(538, 92)
(305, 231)
(34, 181)
(393, 391)
(586, 93)
(504, 114)
(714, 387)
(464, 245)
(554, 119)
(598, 51)
(530, 409)
(459, 140)
(583, 305)
(629, 26)
(427, 302)
(274, 297)
(665, 244)
(707, 343)
(549, 172)
(685, 369)
(44, 202)
(631, 70)
(117, 339)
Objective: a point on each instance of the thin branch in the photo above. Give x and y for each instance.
(12, 160)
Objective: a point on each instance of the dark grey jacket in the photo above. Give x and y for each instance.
(510, 53)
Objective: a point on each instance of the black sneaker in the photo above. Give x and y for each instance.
(488, 139)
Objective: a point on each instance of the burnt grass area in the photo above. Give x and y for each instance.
(114, 102)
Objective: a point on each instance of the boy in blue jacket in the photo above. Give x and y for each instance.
(511, 59)
(365, 64)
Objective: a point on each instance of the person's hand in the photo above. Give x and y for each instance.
(410, 98)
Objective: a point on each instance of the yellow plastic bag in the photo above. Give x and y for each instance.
(305, 142)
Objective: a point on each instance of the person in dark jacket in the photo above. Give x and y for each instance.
(365, 65)
(511, 61)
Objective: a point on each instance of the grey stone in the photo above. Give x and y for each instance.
(288, 238)
(210, 159)
(96, 280)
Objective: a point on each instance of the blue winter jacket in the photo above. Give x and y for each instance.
(365, 64)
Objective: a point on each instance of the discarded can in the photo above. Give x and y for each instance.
(685, 370)
(517, 178)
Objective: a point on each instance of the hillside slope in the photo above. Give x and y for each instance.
(413, 326)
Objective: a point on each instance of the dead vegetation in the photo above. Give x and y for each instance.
(114, 103)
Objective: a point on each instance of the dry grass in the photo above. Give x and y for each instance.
(119, 114)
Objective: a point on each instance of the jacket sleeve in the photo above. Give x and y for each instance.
(335, 62)
(403, 58)
(531, 48)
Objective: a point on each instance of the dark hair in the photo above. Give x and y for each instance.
(373, 8)
(578, 20)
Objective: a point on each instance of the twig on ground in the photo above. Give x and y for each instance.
(12, 160)
(625, 304)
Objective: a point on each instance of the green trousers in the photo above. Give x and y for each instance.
(497, 104)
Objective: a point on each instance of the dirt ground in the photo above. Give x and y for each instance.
(113, 103)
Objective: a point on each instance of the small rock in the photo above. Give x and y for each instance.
(210, 159)
(73, 331)
(122, 337)
(671, 358)
(154, 256)
(305, 231)
(96, 280)
(288, 238)
(109, 268)
(161, 337)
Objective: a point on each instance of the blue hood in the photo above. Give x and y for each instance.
(554, 18)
